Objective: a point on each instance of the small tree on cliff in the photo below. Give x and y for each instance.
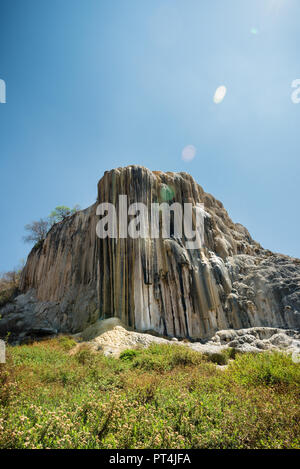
(37, 231)
(61, 212)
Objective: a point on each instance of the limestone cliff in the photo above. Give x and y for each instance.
(158, 285)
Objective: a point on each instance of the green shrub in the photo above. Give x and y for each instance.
(218, 358)
(231, 353)
(85, 356)
(129, 355)
(161, 357)
(66, 342)
(148, 363)
(184, 356)
(266, 369)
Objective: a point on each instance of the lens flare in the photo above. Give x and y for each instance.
(220, 94)
(188, 153)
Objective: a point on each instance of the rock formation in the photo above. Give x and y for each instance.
(74, 278)
(111, 338)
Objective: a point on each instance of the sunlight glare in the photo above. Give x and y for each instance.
(188, 153)
(220, 94)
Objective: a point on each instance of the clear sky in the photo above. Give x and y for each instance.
(97, 84)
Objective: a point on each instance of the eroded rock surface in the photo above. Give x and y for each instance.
(111, 337)
(154, 284)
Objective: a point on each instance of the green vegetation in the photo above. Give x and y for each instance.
(61, 212)
(56, 394)
(38, 230)
(161, 357)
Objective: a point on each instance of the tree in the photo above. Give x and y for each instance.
(37, 231)
(9, 285)
(61, 212)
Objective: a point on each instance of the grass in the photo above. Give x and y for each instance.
(55, 396)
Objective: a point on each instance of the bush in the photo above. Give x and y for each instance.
(162, 357)
(128, 355)
(218, 358)
(266, 368)
(231, 353)
(149, 362)
(85, 355)
(66, 342)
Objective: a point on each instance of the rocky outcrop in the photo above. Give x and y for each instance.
(111, 337)
(155, 284)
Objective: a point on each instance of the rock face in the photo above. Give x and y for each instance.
(158, 285)
(111, 337)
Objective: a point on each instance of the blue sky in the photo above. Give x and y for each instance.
(97, 84)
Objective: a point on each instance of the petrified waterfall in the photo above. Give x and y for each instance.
(155, 284)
